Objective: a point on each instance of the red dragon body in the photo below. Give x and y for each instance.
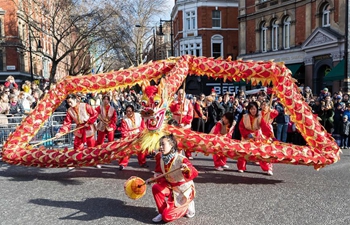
(321, 149)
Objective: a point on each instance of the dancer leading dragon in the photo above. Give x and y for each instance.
(321, 149)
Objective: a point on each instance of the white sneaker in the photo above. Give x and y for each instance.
(219, 168)
(190, 157)
(98, 166)
(240, 171)
(70, 167)
(269, 173)
(158, 218)
(226, 166)
(191, 210)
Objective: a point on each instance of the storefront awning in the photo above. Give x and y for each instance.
(337, 73)
(294, 68)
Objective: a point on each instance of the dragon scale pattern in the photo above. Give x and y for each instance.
(321, 149)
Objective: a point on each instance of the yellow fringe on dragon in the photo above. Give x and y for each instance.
(321, 149)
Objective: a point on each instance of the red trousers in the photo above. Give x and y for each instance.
(141, 157)
(219, 160)
(79, 142)
(241, 165)
(102, 134)
(188, 153)
(167, 208)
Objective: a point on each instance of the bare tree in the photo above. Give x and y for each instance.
(145, 14)
(69, 28)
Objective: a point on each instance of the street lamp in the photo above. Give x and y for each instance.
(39, 48)
(171, 33)
(154, 41)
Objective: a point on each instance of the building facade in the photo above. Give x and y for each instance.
(307, 35)
(23, 49)
(206, 28)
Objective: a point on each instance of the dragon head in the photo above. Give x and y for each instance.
(154, 104)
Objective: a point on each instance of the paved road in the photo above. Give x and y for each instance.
(294, 195)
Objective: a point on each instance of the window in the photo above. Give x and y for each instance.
(263, 41)
(190, 20)
(274, 35)
(286, 32)
(216, 50)
(191, 48)
(325, 16)
(217, 46)
(216, 18)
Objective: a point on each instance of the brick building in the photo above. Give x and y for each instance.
(22, 47)
(206, 28)
(309, 36)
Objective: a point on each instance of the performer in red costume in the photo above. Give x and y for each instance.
(253, 126)
(175, 192)
(223, 128)
(107, 121)
(132, 123)
(267, 113)
(84, 116)
(182, 110)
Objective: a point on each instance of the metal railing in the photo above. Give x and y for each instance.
(47, 131)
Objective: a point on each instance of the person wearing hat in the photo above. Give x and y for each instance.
(324, 93)
(344, 132)
(307, 93)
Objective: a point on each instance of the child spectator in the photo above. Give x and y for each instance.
(344, 132)
(10, 82)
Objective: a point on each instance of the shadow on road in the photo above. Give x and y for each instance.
(66, 177)
(96, 208)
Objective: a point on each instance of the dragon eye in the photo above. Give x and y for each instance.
(156, 103)
(144, 103)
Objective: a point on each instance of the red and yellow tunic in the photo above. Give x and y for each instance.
(254, 126)
(183, 112)
(133, 125)
(81, 114)
(180, 181)
(108, 118)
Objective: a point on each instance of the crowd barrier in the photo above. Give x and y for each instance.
(9, 123)
(47, 131)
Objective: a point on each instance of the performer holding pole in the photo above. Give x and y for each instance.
(253, 126)
(175, 192)
(107, 121)
(84, 116)
(182, 110)
(132, 123)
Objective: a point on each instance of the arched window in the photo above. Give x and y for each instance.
(286, 32)
(217, 43)
(263, 39)
(325, 15)
(274, 35)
